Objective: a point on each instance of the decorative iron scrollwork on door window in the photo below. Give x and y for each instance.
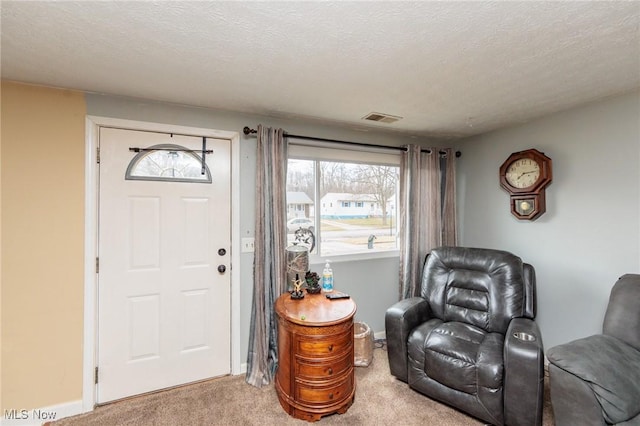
(169, 163)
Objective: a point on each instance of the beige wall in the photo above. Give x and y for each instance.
(0, 252)
(42, 167)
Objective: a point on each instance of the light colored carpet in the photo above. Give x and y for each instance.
(380, 400)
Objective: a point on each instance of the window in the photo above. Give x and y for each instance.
(168, 162)
(363, 187)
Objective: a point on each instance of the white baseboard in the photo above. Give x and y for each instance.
(39, 416)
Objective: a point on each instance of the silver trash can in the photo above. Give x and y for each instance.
(363, 345)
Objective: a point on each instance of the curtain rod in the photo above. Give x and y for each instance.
(248, 131)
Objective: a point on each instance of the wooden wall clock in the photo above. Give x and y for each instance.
(525, 175)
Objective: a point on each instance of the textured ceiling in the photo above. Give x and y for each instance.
(451, 69)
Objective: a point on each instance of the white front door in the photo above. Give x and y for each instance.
(164, 264)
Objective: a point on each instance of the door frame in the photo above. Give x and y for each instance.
(92, 185)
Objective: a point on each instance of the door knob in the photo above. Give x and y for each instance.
(222, 268)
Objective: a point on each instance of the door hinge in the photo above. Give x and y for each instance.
(96, 376)
(98, 155)
(97, 265)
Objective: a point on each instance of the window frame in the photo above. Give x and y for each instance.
(318, 151)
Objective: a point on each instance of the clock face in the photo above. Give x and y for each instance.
(522, 173)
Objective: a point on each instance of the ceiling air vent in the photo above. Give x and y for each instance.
(381, 118)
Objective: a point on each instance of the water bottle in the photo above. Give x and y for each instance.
(327, 278)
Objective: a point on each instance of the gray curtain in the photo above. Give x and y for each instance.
(427, 210)
(448, 217)
(269, 267)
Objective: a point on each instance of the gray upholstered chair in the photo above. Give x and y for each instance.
(469, 340)
(596, 380)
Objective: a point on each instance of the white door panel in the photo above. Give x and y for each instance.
(164, 309)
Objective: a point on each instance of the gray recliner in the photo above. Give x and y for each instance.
(596, 380)
(470, 340)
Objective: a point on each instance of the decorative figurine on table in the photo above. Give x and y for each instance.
(313, 282)
(297, 292)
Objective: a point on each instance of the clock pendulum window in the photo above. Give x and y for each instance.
(525, 175)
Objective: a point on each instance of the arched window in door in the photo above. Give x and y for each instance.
(170, 163)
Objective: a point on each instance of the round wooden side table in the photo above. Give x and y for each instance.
(315, 350)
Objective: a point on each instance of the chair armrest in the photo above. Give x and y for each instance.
(523, 374)
(573, 401)
(400, 319)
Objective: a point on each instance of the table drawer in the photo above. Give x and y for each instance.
(324, 370)
(325, 345)
(307, 393)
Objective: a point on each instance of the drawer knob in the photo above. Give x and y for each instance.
(330, 348)
(331, 396)
(330, 370)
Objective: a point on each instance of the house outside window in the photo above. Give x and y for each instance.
(298, 204)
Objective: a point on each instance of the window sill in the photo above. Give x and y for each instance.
(315, 259)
